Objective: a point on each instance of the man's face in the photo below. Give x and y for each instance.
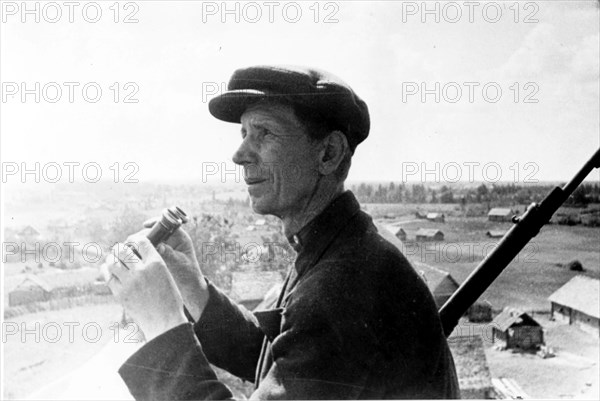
(280, 160)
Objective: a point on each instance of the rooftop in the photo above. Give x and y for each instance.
(579, 293)
(499, 211)
(429, 232)
(510, 317)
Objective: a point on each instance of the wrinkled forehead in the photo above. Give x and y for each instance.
(271, 114)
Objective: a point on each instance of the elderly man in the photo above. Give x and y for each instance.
(354, 320)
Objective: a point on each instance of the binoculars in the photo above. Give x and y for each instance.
(171, 219)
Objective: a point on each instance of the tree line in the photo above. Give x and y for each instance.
(494, 193)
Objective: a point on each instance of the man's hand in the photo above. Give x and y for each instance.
(180, 257)
(145, 287)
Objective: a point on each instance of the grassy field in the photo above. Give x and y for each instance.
(527, 282)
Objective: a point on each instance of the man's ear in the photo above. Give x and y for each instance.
(335, 146)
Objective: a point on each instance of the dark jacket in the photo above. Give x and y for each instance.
(354, 321)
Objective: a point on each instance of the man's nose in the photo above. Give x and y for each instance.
(245, 154)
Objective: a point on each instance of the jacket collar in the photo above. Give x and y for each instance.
(313, 239)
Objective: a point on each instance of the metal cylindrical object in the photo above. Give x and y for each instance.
(171, 219)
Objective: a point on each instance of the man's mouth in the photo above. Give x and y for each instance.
(254, 182)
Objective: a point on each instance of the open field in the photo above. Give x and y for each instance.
(527, 282)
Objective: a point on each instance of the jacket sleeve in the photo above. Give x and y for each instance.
(311, 361)
(172, 367)
(230, 335)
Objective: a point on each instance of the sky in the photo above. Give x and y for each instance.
(537, 119)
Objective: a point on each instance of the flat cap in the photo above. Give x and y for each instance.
(318, 91)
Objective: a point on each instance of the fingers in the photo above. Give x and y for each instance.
(116, 274)
(165, 251)
(180, 241)
(121, 261)
(143, 246)
(125, 260)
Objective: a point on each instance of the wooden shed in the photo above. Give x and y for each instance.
(577, 303)
(495, 233)
(429, 234)
(515, 329)
(480, 311)
(31, 289)
(441, 284)
(401, 234)
(437, 217)
(500, 214)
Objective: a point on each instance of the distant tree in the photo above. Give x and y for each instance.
(434, 198)
(579, 196)
(419, 194)
(446, 195)
(482, 193)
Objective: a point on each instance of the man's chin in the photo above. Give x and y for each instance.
(259, 206)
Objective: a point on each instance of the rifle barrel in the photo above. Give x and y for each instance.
(525, 228)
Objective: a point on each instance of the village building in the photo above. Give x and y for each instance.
(53, 285)
(441, 284)
(401, 234)
(436, 217)
(495, 233)
(500, 214)
(31, 289)
(577, 303)
(515, 329)
(249, 289)
(429, 234)
(480, 311)
(420, 215)
(474, 377)
(29, 234)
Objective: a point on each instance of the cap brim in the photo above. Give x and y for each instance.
(230, 105)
